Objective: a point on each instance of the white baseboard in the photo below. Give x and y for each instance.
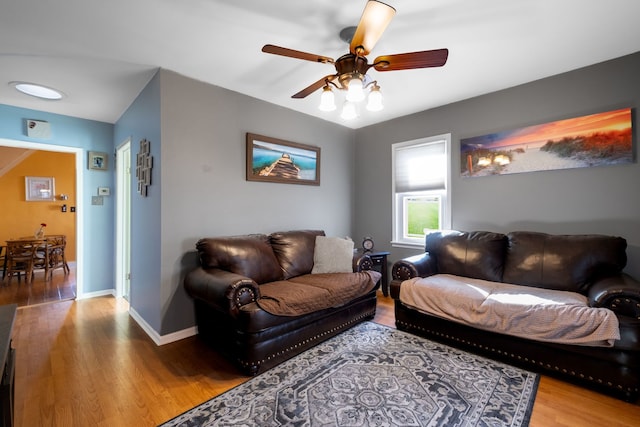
(96, 294)
(155, 337)
(161, 339)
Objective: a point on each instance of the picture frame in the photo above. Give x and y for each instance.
(144, 166)
(276, 160)
(98, 161)
(600, 139)
(39, 189)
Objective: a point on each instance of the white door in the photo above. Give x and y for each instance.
(123, 219)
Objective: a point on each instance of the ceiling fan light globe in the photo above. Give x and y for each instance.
(355, 91)
(327, 100)
(349, 111)
(374, 101)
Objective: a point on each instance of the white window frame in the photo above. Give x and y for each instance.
(400, 239)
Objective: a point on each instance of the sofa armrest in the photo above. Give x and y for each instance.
(222, 289)
(620, 293)
(361, 262)
(422, 265)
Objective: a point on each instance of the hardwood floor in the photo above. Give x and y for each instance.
(61, 287)
(87, 363)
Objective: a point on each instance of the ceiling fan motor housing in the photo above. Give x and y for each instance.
(349, 66)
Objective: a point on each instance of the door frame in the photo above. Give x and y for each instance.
(79, 155)
(123, 221)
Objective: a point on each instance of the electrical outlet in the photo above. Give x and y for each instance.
(97, 200)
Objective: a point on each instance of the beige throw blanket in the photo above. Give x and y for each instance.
(523, 311)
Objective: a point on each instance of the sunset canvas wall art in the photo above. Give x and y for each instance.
(594, 140)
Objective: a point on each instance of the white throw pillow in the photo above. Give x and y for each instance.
(332, 255)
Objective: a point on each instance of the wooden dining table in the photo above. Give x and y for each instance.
(43, 254)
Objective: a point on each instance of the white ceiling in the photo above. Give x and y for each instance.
(102, 53)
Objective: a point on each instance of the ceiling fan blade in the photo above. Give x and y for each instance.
(314, 86)
(374, 20)
(407, 61)
(283, 51)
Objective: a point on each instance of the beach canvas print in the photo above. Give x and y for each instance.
(593, 140)
(275, 160)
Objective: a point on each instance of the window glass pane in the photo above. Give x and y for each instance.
(422, 214)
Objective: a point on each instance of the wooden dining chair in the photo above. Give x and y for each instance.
(3, 260)
(20, 259)
(50, 255)
(60, 253)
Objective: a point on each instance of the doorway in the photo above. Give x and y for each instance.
(79, 215)
(123, 219)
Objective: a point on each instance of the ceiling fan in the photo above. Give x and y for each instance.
(351, 68)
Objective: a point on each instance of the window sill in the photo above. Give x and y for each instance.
(407, 245)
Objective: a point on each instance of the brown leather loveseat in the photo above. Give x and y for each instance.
(587, 266)
(257, 301)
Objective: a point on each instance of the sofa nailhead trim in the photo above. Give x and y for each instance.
(246, 364)
(242, 292)
(581, 375)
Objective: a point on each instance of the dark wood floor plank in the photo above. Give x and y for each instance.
(61, 287)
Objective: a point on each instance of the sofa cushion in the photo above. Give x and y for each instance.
(476, 254)
(332, 255)
(294, 250)
(249, 256)
(562, 262)
(285, 298)
(314, 292)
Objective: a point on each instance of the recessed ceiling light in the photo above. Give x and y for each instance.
(37, 90)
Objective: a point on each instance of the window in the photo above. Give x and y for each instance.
(421, 193)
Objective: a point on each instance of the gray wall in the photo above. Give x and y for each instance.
(603, 200)
(204, 190)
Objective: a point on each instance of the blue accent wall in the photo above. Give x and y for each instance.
(89, 135)
(142, 121)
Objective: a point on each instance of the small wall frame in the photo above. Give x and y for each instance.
(144, 165)
(98, 161)
(39, 189)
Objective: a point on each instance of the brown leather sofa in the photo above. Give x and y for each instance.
(257, 303)
(587, 264)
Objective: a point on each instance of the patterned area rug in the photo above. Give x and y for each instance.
(373, 375)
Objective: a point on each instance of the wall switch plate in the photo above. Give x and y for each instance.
(97, 200)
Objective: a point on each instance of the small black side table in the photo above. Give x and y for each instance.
(379, 260)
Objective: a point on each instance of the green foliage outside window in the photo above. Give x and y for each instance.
(423, 213)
